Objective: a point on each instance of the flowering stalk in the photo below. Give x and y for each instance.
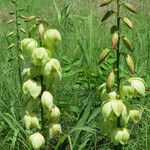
(116, 108)
(44, 73)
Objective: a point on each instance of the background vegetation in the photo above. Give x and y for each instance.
(83, 38)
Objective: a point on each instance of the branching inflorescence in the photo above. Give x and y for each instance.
(42, 114)
(117, 93)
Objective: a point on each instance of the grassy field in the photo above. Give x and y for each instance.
(83, 38)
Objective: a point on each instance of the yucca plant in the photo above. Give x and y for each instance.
(42, 115)
(118, 92)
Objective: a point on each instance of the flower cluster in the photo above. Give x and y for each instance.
(44, 72)
(117, 110)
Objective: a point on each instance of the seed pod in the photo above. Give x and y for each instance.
(127, 43)
(27, 46)
(41, 30)
(55, 129)
(115, 39)
(47, 100)
(37, 141)
(10, 46)
(128, 22)
(110, 81)
(103, 55)
(120, 136)
(53, 114)
(51, 37)
(130, 63)
(105, 2)
(40, 56)
(135, 115)
(30, 18)
(27, 121)
(130, 7)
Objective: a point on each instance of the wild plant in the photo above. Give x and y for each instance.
(118, 93)
(42, 115)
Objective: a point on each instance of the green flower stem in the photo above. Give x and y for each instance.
(18, 46)
(118, 46)
(119, 146)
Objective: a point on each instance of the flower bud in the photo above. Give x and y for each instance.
(115, 39)
(40, 56)
(33, 87)
(120, 136)
(103, 55)
(47, 100)
(127, 43)
(130, 7)
(27, 121)
(105, 2)
(41, 30)
(128, 22)
(55, 130)
(130, 63)
(138, 85)
(110, 81)
(28, 45)
(37, 141)
(51, 37)
(35, 122)
(135, 115)
(53, 114)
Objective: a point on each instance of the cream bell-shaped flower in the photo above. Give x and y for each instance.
(34, 71)
(33, 87)
(51, 36)
(55, 129)
(27, 121)
(40, 56)
(37, 141)
(47, 100)
(27, 46)
(51, 72)
(135, 115)
(138, 84)
(120, 136)
(115, 105)
(53, 114)
(35, 122)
